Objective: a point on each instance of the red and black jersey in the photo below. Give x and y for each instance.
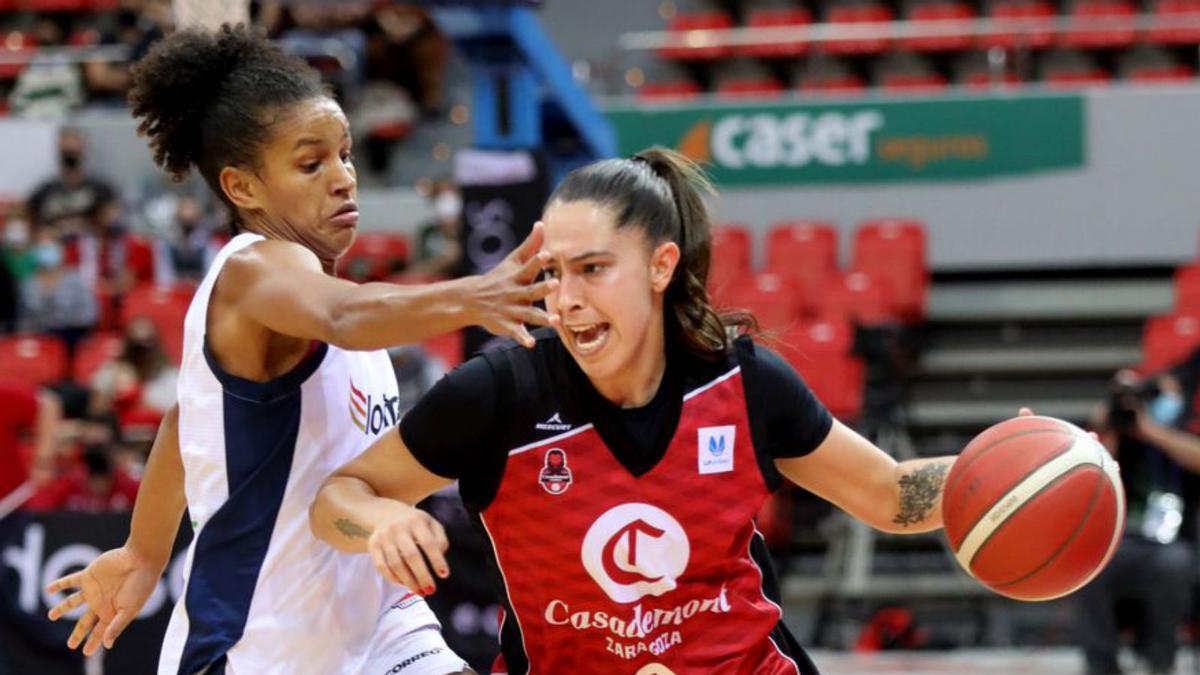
(627, 545)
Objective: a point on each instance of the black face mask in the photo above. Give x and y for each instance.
(97, 460)
(70, 160)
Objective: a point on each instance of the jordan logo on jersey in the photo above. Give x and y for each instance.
(555, 475)
(634, 550)
(370, 415)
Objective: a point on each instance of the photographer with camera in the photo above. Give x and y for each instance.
(1154, 565)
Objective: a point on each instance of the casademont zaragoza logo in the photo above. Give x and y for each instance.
(634, 550)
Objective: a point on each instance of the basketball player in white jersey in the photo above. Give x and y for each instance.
(277, 387)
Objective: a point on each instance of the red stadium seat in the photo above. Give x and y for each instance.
(858, 14)
(746, 88)
(731, 254)
(858, 296)
(93, 352)
(374, 256)
(1162, 75)
(679, 90)
(771, 298)
(913, 83)
(819, 351)
(982, 79)
(1037, 16)
(166, 307)
(447, 348)
(1167, 340)
(804, 252)
(1100, 24)
(32, 359)
(937, 14)
(777, 18)
(894, 251)
(836, 85)
(1076, 79)
(1179, 23)
(1187, 289)
(693, 29)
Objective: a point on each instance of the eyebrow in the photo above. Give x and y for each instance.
(308, 141)
(589, 254)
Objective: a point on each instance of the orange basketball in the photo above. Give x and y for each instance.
(1033, 508)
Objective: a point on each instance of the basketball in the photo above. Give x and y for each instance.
(1033, 508)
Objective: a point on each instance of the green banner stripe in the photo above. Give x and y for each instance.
(867, 141)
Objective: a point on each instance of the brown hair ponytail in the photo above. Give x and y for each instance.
(662, 192)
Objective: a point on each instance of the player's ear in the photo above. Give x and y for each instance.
(663, 260)
(241, 187)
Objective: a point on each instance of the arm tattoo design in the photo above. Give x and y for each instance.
(919, 491)
(351, 529)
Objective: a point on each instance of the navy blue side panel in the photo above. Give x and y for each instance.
(262, 422)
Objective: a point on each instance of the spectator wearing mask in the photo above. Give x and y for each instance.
(1155, 563)
(191, 247)
(438, 251)
(95, 482)
(141, 378)
(56, 299)
(108, 256)
(70, 201)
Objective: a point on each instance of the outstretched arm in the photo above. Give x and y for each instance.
(282, 286)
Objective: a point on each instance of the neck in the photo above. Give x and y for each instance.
(638, 382)
(259, 224)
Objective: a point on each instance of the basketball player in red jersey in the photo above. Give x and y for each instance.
(674, 434)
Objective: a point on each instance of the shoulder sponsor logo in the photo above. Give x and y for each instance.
(714, 449)
(634, 550)
(555, 423)
(373, 414)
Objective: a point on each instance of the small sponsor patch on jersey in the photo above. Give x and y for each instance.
(555, 475)
(714, 449)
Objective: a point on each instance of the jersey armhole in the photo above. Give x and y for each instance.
(756, 412)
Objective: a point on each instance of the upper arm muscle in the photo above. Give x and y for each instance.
(281, 286)
(848, 471)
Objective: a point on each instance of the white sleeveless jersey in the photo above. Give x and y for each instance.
(262, 595)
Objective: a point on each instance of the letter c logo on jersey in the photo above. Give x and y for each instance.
(634, 550)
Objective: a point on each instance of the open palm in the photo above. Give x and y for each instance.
(114, 587)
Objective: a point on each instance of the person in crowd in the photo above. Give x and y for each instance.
(1155, 564)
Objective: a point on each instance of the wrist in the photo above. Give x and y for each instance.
(147, 556)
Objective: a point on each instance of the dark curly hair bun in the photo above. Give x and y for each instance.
(202, 96)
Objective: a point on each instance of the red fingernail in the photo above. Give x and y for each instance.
(428, 590)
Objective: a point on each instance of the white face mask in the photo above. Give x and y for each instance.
(16, 234)
(447, 205)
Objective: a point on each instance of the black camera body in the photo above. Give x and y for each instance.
(1125, 401)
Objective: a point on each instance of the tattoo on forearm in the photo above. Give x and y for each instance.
(351, 529)
(919, 491)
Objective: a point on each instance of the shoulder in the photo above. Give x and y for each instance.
(263, 257)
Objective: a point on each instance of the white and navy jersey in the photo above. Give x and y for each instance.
(262, 595)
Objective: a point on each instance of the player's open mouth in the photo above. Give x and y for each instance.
(588, 338)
